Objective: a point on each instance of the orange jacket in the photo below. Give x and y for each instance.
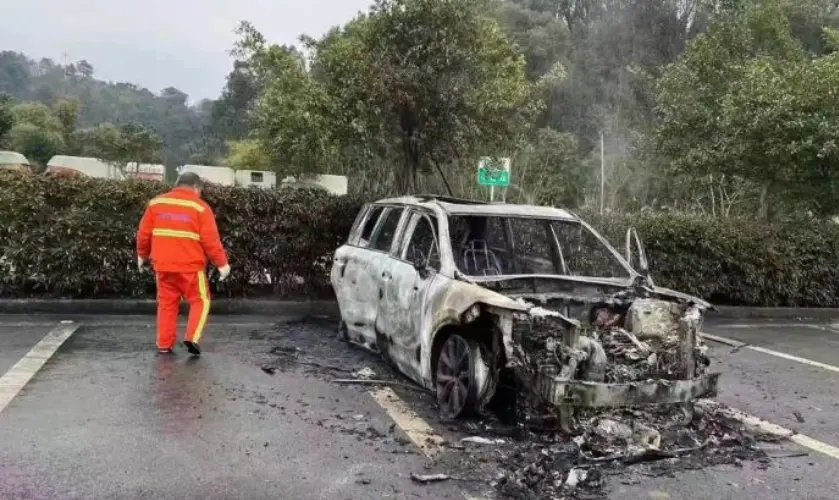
(178, 231)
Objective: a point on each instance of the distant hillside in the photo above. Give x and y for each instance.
(181, 126)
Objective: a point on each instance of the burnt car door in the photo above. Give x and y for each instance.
(346, 264)
(357, 272)
(413, 271)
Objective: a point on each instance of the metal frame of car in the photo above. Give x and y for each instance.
(467, 300)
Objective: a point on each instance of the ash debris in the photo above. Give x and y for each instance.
(543, 464)
(649, 341)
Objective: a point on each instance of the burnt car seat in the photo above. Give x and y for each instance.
(479, 260)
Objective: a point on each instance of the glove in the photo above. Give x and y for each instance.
(140, 263)
(224, 272)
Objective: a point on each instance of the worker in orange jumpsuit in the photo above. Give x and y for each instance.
(177, 233)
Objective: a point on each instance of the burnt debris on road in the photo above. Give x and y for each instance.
(518, 446)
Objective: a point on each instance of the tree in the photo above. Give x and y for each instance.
(85, 68)
(36, 114)
(123, 144)
(426, 83)
(67, 112)
(47, 82)
(36, 143)
(174, 96)
(7, 118)
(746, 101)
(248, 154)
(229, 114)
(290, 118)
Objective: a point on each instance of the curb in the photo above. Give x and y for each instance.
(256, 307)
(787, 313)
(328, 308)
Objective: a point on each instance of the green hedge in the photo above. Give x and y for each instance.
(74, 237)
(736, 261)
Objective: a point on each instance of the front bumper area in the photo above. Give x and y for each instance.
(579, 393)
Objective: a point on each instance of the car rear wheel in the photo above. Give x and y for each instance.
(456, 384)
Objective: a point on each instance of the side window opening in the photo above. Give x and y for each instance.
(356, 225)
(384, 239)
(369, 224)
(423, 246)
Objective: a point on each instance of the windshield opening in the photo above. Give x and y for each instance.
(503, 245)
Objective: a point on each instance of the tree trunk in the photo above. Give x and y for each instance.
(763, 210)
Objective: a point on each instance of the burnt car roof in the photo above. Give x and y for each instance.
(457, 206)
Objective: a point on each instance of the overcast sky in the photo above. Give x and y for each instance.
(160, 43)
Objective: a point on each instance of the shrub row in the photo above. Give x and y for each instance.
(74, 237)
(736, 261)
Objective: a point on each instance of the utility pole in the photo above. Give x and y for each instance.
(602, 174)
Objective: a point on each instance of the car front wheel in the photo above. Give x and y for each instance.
(456, 384)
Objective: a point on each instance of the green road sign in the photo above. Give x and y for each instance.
(494, 172)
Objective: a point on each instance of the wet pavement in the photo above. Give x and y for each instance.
(258, 416)
(107, 418)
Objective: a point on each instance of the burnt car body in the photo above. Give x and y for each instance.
(453, 292)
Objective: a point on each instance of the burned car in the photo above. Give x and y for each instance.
(456, 293)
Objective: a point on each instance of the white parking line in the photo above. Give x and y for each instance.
(777, 430)
(19, 375)
(770, 352)
(763, 325)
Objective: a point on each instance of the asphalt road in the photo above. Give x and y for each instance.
(107, 418)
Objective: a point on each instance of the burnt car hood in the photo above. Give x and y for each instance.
(551, 286)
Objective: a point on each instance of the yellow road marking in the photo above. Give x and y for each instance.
(418, 431)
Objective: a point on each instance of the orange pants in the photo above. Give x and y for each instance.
(171, 288)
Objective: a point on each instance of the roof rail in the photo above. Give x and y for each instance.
(449, 199)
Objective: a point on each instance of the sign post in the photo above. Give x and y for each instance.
(493, 172)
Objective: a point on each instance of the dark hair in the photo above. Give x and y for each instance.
(190, 179)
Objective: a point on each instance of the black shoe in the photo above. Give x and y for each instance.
(192, 347)
(164, 351)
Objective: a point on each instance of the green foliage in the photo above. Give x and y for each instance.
(248, 154)
(168, 114)
(36, 114)
(35, 143)
(420, 84)
(737, 261)
(745, 100)
(121, 145)
(288, 120)
(7, 118)
(75, 237)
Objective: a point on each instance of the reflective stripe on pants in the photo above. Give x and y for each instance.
(171, 288)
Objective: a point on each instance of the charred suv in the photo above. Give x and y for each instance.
(455, 293)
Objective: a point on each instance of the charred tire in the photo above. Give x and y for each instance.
(456, 380)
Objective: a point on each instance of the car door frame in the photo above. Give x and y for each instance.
(347, 262)
(367, 263)
(399, 321)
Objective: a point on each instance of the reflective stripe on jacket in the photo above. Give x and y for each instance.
(178, 232)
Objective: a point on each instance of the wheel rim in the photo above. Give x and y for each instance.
(454, 376)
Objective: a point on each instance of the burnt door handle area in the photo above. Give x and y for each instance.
(342, 265)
